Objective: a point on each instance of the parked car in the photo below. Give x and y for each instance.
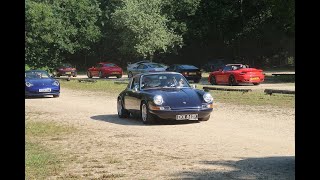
(232, 74)
(65, 69)
(190, 72)
(164, 95)
(105, 69)
(136, 64)
(40, 83)
(146, 67)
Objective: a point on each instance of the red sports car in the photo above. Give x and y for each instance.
(105, 69)
(65, 69)
(232, 74)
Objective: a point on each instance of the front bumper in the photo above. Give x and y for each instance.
(171, 114)
(35, 92)
(67, 73)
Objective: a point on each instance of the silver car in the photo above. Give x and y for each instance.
(145, 67)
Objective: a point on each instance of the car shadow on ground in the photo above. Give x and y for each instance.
(136, 121)
(279, 167)
(38, 97)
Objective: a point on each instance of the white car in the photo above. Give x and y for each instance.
(136, 64)
(145, 67)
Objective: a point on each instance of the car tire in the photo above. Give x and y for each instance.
(56, 96)
(89, 74)
(204, 119)
(232, 80)
(213, 80)
(146, 116)
(122, 113)
(130, 74)
(120, 76)
(100, 74)
(256, 84)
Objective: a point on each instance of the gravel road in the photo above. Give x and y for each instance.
(238, 142)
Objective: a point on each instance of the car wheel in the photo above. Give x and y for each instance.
(204, 119)
(213, 80)
(120, 76)
(56, 96)
(256, 84)
(130, 74)
(89, 74)
(100, 74)
(232, 81)
(122, 113)
(146, 116)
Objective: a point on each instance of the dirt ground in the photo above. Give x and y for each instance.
(238, 142)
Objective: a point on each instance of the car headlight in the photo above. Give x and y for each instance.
(28, 84)
(158, 100)
(55, 83)
(207, 98)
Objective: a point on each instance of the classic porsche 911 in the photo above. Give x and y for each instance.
(233, 74)
(163, 95)
(40, 83)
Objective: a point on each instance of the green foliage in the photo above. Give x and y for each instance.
(144, 28)
(55, 29)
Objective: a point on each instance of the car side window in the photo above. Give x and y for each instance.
(140, 66)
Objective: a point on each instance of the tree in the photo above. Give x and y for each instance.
(144, 29)
(57, 28)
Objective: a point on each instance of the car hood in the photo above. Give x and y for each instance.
(37, 82)
(178, 97)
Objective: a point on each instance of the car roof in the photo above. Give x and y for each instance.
(150, 73)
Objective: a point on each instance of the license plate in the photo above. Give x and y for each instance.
(45, 90)
(68, 72)
(254, 78)
(114, 73)
(187, 117)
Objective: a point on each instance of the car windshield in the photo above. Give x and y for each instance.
(188, 67)
(109, 65)
(37, 75)
(163, 81)
(66, 66)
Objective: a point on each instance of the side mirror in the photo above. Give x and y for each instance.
(193, 86)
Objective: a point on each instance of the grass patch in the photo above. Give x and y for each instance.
(258, 98)
(40, 162)
(99, 86)
(41, 129)
(254, 98)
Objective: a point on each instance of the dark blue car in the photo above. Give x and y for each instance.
(40, 83)
(163, 95)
